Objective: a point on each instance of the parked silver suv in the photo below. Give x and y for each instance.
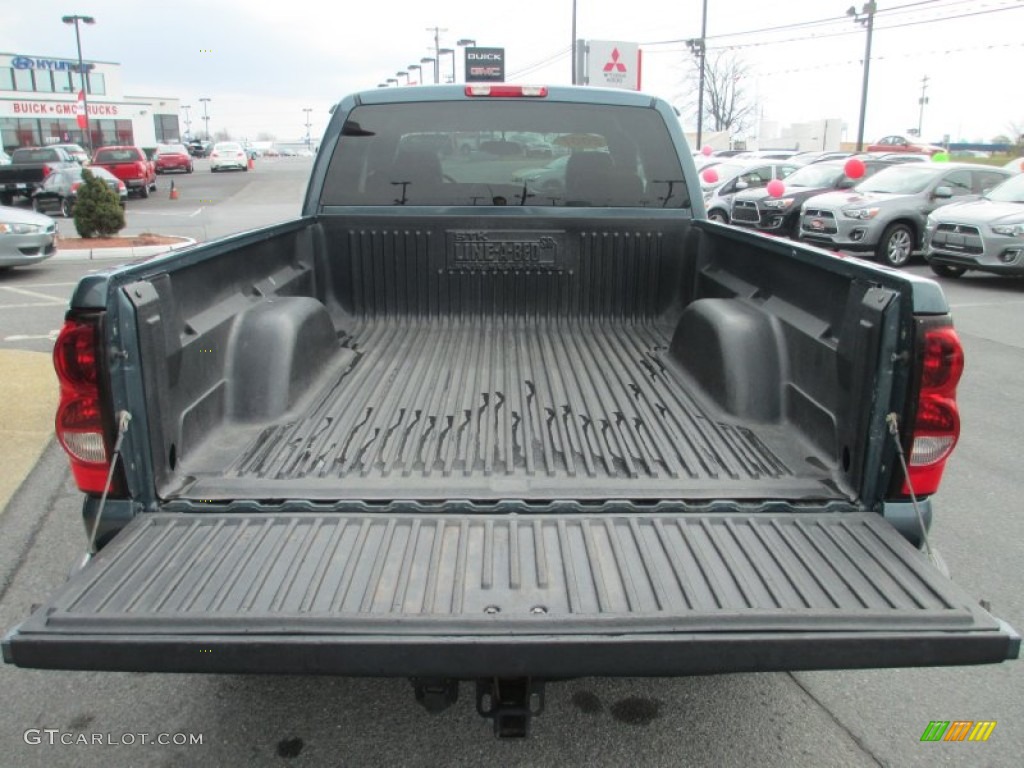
(886, 214)
(987, 234)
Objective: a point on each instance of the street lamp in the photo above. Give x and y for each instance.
(464, 42)
(81, 70)
(444, 51)
(430, 60)
(419, 73)
(188, 120)
(404, 74)
(866, 20)
(391, 80)
(307, 110)
(206, 117)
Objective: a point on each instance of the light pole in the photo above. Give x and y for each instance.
(206, 117)
(866, 20)
(464, 42)
(81, 70)
(419, 73)
(445, 51)
(188, 120)
(308, 111)
(403, 74)
(430, 60)
(391, 80)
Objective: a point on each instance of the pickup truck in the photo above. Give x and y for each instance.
(445, 428)
(28, 170)
(130, 165)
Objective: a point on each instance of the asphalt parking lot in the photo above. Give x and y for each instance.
(871, 717)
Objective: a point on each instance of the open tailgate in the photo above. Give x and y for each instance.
(468, 595)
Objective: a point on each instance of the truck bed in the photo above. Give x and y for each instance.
(345, 361)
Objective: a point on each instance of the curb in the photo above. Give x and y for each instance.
(104, 254)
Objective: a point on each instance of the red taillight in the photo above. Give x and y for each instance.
(80, 418)
(937, 424)
(47, 170)
(506, 90)
(75, 186)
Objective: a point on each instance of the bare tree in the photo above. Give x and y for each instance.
(727, 105)
(265, 136)
(222, 135)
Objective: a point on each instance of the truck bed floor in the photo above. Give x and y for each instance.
(484, 407)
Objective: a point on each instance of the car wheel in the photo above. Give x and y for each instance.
(6, 199)
(719, 216)
(36, 205)
(896, 245)
(65, 208)
(189, 169)
(144, 191)
(945, 270)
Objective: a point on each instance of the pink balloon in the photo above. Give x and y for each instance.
(776, 188)
(854, 168)
(706, 150)
(710, 175)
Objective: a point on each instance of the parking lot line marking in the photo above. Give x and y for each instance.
(33, 294)
(166, 213)
(48, 285)
(28, 306)
(51, 336)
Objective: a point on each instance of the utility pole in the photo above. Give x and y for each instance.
(922, 101)
(206, 117)
(82, 71)
(702, 54)
(572, 50)
(188, 120)
(868, 21)
(437, 51)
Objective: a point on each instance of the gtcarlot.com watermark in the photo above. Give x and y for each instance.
(55, 737)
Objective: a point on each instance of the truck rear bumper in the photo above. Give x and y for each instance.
(464, 596)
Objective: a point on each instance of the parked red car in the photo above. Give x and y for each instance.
(130, 165)
(903, 144)
(172, 157)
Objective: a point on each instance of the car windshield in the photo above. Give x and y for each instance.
(723, 172)
(900, 180)
(116, 156)
(816, 175)
(33, 156)
(1010, 191)
(486, 153)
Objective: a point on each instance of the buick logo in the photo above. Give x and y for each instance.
(21, 62)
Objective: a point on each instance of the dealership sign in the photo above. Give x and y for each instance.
(56, 65)
(57, 109)
(613, 65)
(485, 65)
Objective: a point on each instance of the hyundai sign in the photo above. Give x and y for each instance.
(56, 65)
(485, 65)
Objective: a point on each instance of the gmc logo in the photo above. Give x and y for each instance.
(483, 56)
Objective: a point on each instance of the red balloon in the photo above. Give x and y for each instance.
(710, 175)
(854, 168)
(706, 150)
(776, 188)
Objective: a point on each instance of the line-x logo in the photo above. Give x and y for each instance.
(958, 730)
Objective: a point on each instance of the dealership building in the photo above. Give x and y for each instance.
(39, 104)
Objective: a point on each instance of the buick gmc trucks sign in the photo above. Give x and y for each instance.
(485, 65)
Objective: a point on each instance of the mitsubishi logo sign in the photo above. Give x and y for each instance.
(611, 64)
(615, 64)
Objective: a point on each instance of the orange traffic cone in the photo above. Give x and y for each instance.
(174, 192)
(252, 163)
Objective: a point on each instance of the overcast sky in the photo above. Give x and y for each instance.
(262, 62)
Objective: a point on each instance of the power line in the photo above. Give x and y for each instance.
(540, 64)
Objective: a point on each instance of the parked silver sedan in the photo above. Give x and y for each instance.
(26, 237)
(986, 235)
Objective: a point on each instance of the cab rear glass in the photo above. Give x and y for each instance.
(505, 152)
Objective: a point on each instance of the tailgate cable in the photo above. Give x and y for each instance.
(123, 419)
(893, 421)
